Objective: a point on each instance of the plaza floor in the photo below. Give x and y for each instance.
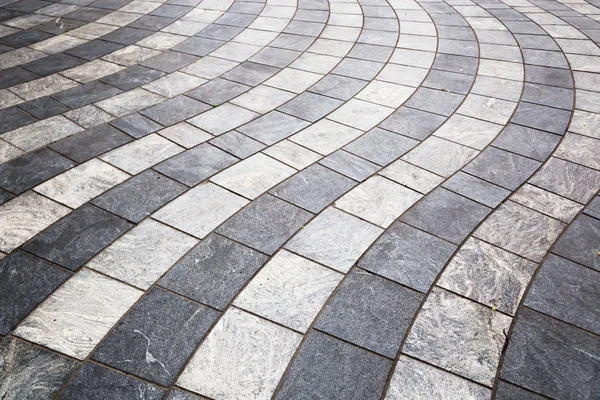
(299, 199)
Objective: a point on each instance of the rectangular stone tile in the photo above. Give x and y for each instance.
(326, 367)
(527, 142)
(361, 114)
(218, 91)
(133, 77)
(476, 189)
(542, 117)
(79, 314)
(94, 49)
(91, 71)
(326, 136)
(223, 119)
(43, 108)
(339, 87)
(468, 131)
(440, 156)
(292, 154)
(201, 209)
(18, 57)
(273, 127)
(131, 55)
(52, 64)
(579, 149)
(567, 179)
(435, 101)
(289, 290)
(43, 87)
(214, 271)
(551, 357)
(86, 94)
(520, 230)
(13, 118)
(335, 239)
(26, 281)
(262, 99)
(237, 144)
(89, 116)
(350, 165)
(547, 203)
(185, 135)
(78, 237)
(14, 76)
(82, 183)
(579, 242)
(310, 107)
(370, 312)
(93, 142)
(221, 367)
(459, 335)
(24, 217)
(162, 324)
(143, 255)
(169, 61)
(175, 110)
(128, 102)
(174, 84)
(136, 125)
(381, 146)
(411, 176)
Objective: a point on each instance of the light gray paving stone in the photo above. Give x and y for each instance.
(567, 179)
(325, 136)
(527, 142)
(41, 133)
(223, 119)
(273, 127)
(469, 131)
(440, 156)
(128, 102)
(292, 154)
(547, 203)
(185, 135)
(579, 149)
(350, 165)
(262, 99)
(459, 335)
(89, 116)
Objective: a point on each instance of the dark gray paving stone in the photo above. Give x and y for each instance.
(163, 324)
(593, 209)
(94, 49)
(171, 11)
(371, 312)
(527, 142)
(24, 172)
(8, 14)
(580, 243)
(452, 19)
(127, 35)
(13, 118)
(169, 61)
(199, 46)
(246, 8)
(449, 81)
(140, 196)
(237, 144)
(181, 395)
(541, 117)
(15, 76)
(501, 167)
(310, 106)
(476, 189)
(413, 123)
(250, 73)
(24, 38)
(214, 271)
(275, 57)
(28, 372)
(94, 382)
(86, 94)
(542, 42)
(4, 48)
(350, 165)
(175, 110)
(133, 77)
(548, 96)
(5, 196)
(446, 214)
(454, 63)
(110, 4)
(220, 32)
(359, 69)
(527, 27)
(436, 8)
(235, 19)
(507, 391)
(458, 47)
(75, 239)
(292, 42)
(548, 76)
(28, 6)
(381, 146)
(88, 14)
(43, 107)
(217, 91)
(152, 22)
(545, 58)
(25, 281)
(195, 165)
(136, 125)
(273, 127)
(455, 32)
(408, 256)
(567, 291)
(552, 358)
(52, 64)
(314, 188)
(327, 368)
(91, 143)
(435, 101)
(265, 224)
(59, 25)
(340, 87)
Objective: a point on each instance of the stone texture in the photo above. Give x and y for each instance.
(579, 242)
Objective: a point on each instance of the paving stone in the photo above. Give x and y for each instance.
(214, 271)
(223, 119)
(133, 77)
(237, 144)
(250, 73)
(86, 94)
(91, 143)
(593, 209)
(43, 108)
(435, 101)
(290, 290)
(14, 118)
(218, 91)
(527, 142)
(185, 135)
(350, 165)
(136, 125)
(440, 156)
(127, 35)
(24, 38)
(171, 11)
(14, 76)
(542, 117)
(551, 357)
(326, 367)
(5, 196)
(29, 372)
(273, 127)
(175, 110)
(262, 99)
(162, 324)
(476, 189)
(181, 395)
(310, 107)
(26, 282)
(199, 46)
(95, 382)
(266, 224)
(94, 49)
(152, 22)
(506, 391)
(579, 149)
(339, 87)
(413, 123)
(579, 242)
(89, 116)
(220, 367)
(169, 61)
(547, 203)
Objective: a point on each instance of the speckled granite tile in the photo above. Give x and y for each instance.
(221, 367)
(78, 315)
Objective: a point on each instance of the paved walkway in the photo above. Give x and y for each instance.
(311, 199)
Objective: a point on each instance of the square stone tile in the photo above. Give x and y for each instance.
(289, 290)
(144, 254)
(326, 136)
(221, 367)
(24, 217)
(91, 143)
(185, 135)
(273, 127)
(250, 73)
(136, 125)
(335, 239)
(378, 200)
(199, 46)
(350, 165)
(95, 382)
(327, 368)
(412, 176)
(370, 312)
(167, 326)
(541, 117)
(266, 224)
(359, 69)
(23, 173)
(579, 149)
(214, 271)
(413, 123)
(78, 237)
(169, 61)
(551, 357)
(459, 335)
(435, 101)
(175, 84)
(440, 156)
(580, 242)
(237, 144)
(567, 179)
(78, 315)
(469, 131)
(223, 119)
(41, 133)
(547, 203)
(294, 80)
(476, 189)
(520, 230)
(201, 209)
(361, 114)
(26, 281)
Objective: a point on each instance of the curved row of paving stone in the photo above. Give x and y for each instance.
(269, 264)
